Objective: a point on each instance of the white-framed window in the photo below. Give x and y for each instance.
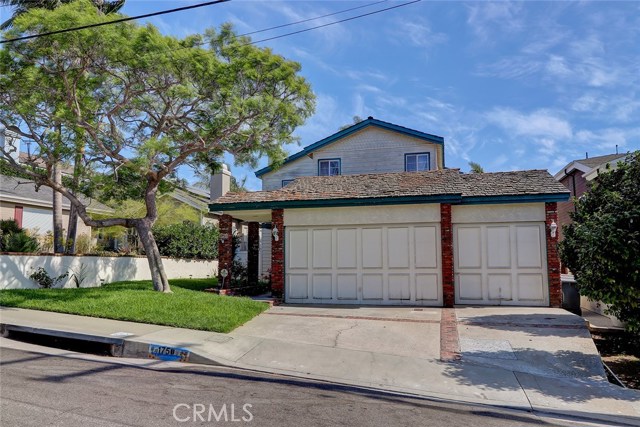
(328, 167)
(286, 182)
(416, 162)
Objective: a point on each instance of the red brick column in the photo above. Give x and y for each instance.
(553, 260)
(277, 253)
(253, 252)
(446, 242)
(225, 248)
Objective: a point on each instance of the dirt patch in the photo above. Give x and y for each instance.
(621, 353)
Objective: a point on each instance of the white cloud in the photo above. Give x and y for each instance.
(486, 18)
(540, 123)
(418, 32)
(608, 138)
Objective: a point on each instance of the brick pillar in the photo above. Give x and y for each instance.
(277, 254)
(553, 260)
(253, 252)
(225, 248)
(446, 242)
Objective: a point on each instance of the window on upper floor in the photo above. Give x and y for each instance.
(286, 182)
(328, 167)
(416, 162)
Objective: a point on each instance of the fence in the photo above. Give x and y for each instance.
(15, 269)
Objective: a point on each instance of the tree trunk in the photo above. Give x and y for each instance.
(58, 246)
(72, 230)
(158, 275)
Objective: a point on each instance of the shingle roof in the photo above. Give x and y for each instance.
(593, 162)
(404, 184)
(24, 189)
(511, 183)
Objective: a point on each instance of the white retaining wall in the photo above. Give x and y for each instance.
(16, 269)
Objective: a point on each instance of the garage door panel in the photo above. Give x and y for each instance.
(372, 286)
(499, 287)
(369, 264)
(372, 247)
(398, 247)
(528, 246)
(510, 268)
(470, 286)
(530, 287)
(399, 286)
(347, 286)
(427, 288)
(498, 247)
(322, 249)
(426, 244)
(469, 247)
(298, 254)
(321, 284)
(346, 247)
(298, 286)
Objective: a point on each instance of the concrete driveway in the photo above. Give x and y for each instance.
(400, 331)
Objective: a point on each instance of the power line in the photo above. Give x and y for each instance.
(332, 23)
(171, 51)
(115, 21)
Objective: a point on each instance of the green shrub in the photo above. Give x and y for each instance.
(15, 239)
(187, 240)
(42, 278)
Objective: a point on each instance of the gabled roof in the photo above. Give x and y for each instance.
(352, 129)
(440, 186)
(588, 164)
(20, 190)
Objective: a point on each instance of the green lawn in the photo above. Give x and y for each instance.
(186, 307)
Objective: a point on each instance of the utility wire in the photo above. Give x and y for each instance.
(115, 21)
(282, 35)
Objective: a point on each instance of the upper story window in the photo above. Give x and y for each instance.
(416, 162)
(328, 167)
(286, 182)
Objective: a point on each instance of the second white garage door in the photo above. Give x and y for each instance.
(373, 264)
(500, 264)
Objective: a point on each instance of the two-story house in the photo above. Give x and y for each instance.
(371, 146)
(370, 215)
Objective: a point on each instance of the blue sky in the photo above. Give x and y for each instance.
(510, 85)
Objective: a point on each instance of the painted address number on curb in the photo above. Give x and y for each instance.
(163, 352)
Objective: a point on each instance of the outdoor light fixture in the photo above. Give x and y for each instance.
(553, 228)
(274, 232)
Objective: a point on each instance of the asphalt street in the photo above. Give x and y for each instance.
(39, 387)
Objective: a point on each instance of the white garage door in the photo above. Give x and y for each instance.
(40, 220)
(373, 264)
(500, 264)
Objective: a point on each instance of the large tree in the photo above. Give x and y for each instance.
(602, 244)
(145, 102)
(21, 7)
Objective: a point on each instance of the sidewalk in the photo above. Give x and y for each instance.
(504, 384)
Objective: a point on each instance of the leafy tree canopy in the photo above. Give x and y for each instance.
(140, 100)
(602, 245)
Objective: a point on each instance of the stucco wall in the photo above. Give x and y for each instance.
(7, 211)
(15, 269)
(370, 150)
(512, 212)
(363, 215)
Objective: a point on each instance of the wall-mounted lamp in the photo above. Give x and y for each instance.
(274, 233)
(553, 228)
(223, 237)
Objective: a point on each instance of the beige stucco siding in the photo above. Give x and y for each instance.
(7, 211)
(513, 212)
(362, 215)
(370, 150)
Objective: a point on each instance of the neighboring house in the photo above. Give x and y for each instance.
(371, 146)
(388, 224)
(576, 176)
(33, 208)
